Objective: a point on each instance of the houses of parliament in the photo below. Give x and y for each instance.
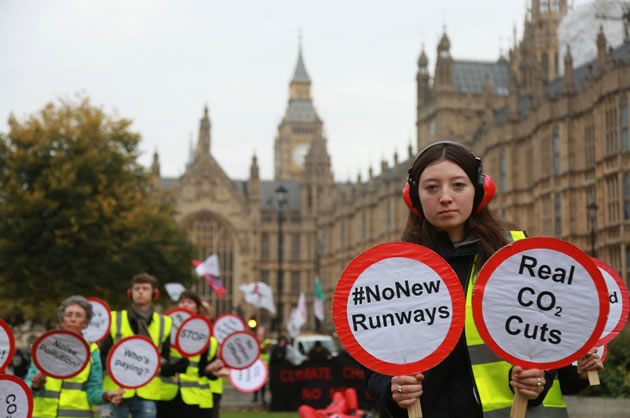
(556, 145)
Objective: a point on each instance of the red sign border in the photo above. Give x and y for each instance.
(60, 331)
(109, 311)
(529, 244)
(261, 385)
(25, 388)
(9, 332)
(173, 310)
(223, 346)
(398, 250)
(226, 315)
(625, 309)
(115, 347)
(178, 348)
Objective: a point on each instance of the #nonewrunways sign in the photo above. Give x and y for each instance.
(225, 325)
(193, 336)
(178, 315)
(133, 362)
(540, 303)
(399, 308)
(7, 345)
(239, 350)
(16, 399)
(61, 354)
(250, 379)
(98, 328)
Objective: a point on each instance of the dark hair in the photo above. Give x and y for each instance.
(144, 278)
(189, 294)
(483, 225)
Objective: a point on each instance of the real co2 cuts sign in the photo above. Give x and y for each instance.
(250, 379)
(540, 303)
(61, 354)
(7, 345)
(618, 299)
(239, 350)
(399, 308)
(16, 399)
(178, 315)
(193, 336)
(225, 325)
(98, 328)
(133, 362)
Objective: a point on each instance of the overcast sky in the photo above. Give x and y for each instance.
(159, 62)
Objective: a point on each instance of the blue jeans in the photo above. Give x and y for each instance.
(137, 407)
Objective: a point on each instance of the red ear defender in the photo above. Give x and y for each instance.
(407, 198)
(156, 293)
(488, 193)
(128, 293)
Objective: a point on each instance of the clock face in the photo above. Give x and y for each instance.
(299, 152)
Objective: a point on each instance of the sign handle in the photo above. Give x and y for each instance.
(593, 377)
(519, 406)
(415, 410)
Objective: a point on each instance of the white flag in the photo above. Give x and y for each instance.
(174, 290)
(318, 301)
(297, 317)
(209, 266)
(260, 295)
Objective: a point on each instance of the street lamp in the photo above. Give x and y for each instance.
(592, 214)
(280, 194)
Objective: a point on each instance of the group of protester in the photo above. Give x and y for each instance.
(184, 387)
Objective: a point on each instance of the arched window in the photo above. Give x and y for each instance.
(211, 235)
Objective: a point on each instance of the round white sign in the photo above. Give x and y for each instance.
(7, 345)
(178, 315)
(239, 350)
(619, 303)
(193, 336)
(61, 354)
(540, 303)
(250, 379)
(225, 325)
(98, 328)
(16, 399)
(133, 362)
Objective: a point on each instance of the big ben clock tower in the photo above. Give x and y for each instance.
(299, 127)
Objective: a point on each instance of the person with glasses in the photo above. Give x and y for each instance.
(74, 397)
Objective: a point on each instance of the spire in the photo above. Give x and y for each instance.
(155, 166)
(203, 143)
(300, 75)
(191, 151)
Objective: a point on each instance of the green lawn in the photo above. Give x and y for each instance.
(252, 413)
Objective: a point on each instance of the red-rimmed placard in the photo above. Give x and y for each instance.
(98, 328)
(193, 336)
(619, 303)
(239, 350)
(399, 308)
(226, 324)
(61, 354)
(540, 303)
(7, 345)
(178, 315)
(16, 399)
(133, 362)
(250, 379)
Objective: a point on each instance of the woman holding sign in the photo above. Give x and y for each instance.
(74, 396)
(448, 194)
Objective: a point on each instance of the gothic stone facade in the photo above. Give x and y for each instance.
(552, 144)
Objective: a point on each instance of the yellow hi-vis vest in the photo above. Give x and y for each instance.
(491, 374)
(65, 398)
(209, 387)
(191, 386)
(159, 329)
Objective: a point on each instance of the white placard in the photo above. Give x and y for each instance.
(16, 399)
(540, 302)
(619, 303)
(133, 362)
(7, 345)
(250, 379)
(178, 315)
(61, 354)
(98, 328)
(240, 350)
(193, 336)
(225, 325)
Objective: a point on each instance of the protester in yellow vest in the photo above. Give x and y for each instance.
(447, 194)
(189, 395)
(139, 319)
(72, 397)
(265, 351)
(216, 382)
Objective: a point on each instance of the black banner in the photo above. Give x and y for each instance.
(313, 382)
